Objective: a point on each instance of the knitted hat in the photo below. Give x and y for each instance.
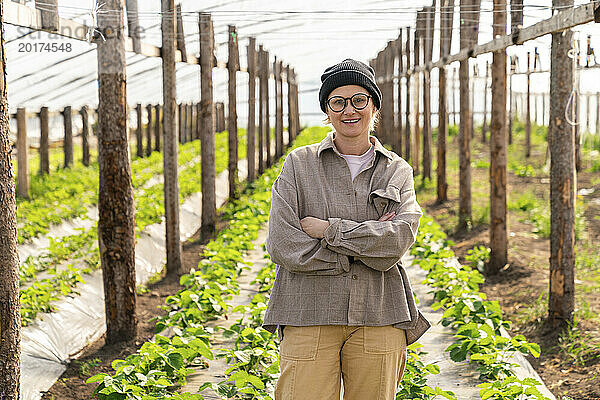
(348, 72)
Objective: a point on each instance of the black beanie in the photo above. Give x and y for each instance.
(348, 72)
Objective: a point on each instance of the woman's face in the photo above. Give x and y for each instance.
(350, 121)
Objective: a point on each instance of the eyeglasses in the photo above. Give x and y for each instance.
(358, 101)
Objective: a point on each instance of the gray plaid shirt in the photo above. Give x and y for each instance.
(354, 274)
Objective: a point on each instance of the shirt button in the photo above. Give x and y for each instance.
(355, 277)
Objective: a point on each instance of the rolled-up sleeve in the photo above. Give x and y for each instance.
(379, 244)
(287, 244)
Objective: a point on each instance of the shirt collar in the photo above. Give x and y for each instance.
(327, 143)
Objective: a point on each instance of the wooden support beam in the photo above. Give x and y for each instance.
(180, 124)
(170, 143)
(266, 74)
(279, 100)
(44, 131)
(157, 127)
(10, 316)
(85, 134)
(278, 131)
(133, 26)
(149, 130)
(469, 14)
(485, 101)
(416, 137)
(388, 98)
(139, 139)
(561, 139)
(516, 16)
(397, 142)
(22, 156)
(232, 67)
(207, 127)
(407, 125)
(261, 110)
(251, 131)
(181, 35)
(528, 109)
(49, 13)
(429, 16)
(68, 141)
(446, 21)
(498, 150)
(116, 208)
(296, 105)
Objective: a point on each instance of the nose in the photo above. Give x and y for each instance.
(349, 108)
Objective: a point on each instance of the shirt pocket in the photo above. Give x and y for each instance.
(384, 200)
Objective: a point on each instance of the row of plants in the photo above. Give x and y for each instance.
(80, 251)
(161, 364)
(478, 322)
(206, 292)
(69, 192)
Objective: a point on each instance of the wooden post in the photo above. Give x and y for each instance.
(296, 106)
(181, 35)
(116, 207)
(157, 126)
(207, 127)
(416, 95)
(587, 113)
(279, 99)
(428, 49)
(10, 316)
(397, 145)
(597, 132)
(278, 130)
(485, 95)
(407, 126)
(290, 104)
(170, 143)
(22, 156)
(180, 125)
(197, 130)
(44, 130)
(446, 22)
(149, 109)
(139, 139)
(469, 14)
(388, 99)
(511, 107)
(251, 132)
(85, 134)
(266, 73)
(561, 301)
(516, 15)
(528, 109)
(193, 120)
(454, 79)
(133, 26)
(472, 83)
(68, 141)
(261, 111)
(49, 11)
(232, 67)
(498, 150)
(220, 116)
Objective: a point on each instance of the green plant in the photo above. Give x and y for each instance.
(85, 367)
(477, 257)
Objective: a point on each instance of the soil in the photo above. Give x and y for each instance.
(97, 357)
(522, 287)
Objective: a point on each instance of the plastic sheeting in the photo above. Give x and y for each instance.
(54, 339)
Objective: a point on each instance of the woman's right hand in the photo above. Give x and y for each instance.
(387, 216)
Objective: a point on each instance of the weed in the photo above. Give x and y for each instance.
(477, 257)
(85, 367)
(577, 347)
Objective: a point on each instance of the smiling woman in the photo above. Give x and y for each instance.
(343, 214)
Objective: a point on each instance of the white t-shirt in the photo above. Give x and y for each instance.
(358, 163)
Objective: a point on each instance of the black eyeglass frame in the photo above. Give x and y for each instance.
(346, 102)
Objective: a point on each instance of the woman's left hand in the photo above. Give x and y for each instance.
(314, 227)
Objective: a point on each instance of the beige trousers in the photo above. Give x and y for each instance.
(315, 359)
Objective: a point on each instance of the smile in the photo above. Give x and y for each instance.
(351, 121)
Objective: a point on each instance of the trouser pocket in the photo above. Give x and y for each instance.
(383, 339)
(299, 342)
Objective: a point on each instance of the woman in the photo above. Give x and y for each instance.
(344, 212)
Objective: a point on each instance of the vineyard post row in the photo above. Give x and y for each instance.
(116, 233)
(562, 135)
